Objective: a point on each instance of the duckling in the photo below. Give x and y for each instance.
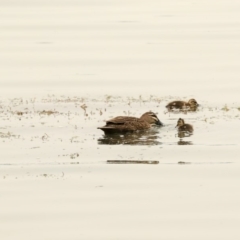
(191, 105)
(123, 124)
(184, 127)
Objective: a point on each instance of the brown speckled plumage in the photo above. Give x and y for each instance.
(184, 127)
(191, 105)
(124, 124)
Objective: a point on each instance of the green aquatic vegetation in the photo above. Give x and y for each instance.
(74, 139)
(32, 100)
(107, 98)
(225, 108)
(16, 102)
(84, 107)
(19, 113)
(127, 113)
(74, 155)
(49, 112)
(45, 137)
(8, 135)
(153, 98)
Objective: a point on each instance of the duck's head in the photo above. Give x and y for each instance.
(180, 122)
(193, 103)
(151, 118)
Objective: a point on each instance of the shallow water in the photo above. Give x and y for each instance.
(66, 67)
(36, 125)
(54, 163)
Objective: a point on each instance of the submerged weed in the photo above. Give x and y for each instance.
(49, 112)
(84, 107)
(74, 139)
(8, 135)
(19, 113)
(225, 108)
(45, 137)
(107, 98)
(74, 155)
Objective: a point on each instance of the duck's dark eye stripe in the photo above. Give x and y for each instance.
(152, 114)
(155, 118)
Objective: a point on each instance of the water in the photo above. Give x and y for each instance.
(126, 48)
(66, 67)
(70, 125)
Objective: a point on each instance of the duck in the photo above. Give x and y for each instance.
(184, 127)
(124, 124)
(191, 105)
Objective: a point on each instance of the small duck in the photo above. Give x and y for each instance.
(191, 105)
(184, 127)
(123, 124)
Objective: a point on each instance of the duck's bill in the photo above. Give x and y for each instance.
(159, 123)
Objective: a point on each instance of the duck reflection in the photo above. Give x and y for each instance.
(181, 142)
(147, 137)
(182, 135)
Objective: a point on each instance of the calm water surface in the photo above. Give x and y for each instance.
(118, 58)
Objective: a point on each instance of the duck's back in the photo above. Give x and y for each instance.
(120, 120)
(123, 124)
(176, 104)
(186, 127)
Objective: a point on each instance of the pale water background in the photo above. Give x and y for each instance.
(118, 58)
